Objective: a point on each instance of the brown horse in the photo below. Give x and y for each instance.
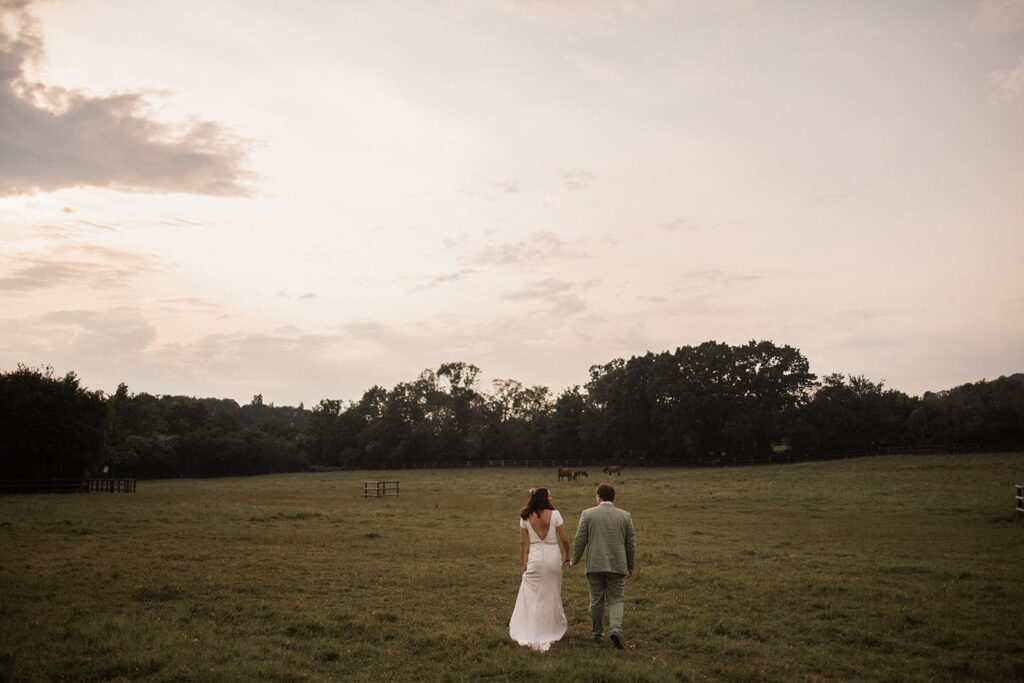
(566, 472)
(613, 469)
(578, 473)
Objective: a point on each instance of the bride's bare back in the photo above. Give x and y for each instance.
(541, 523)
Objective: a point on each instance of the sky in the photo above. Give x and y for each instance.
(306, 199)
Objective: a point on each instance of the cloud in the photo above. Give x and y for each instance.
(998, 16)
(1008, 84)
(539, 289)
(677, 225)
(77, 335)
(239, 354)
(290, 365)
(559, 295)
(577, 180)
(494, 189)
(188, 302)
(68, 230)
(826, 198)
(106, 347)
(438, 280)
(274, 363)
(81, 266)
(108, 227)
(53, 138)
(540, 247)
(510, 186)
(364, 328)
(509, 253)
(566, 305)
(712, 278)
(180, 222)
(306, 296)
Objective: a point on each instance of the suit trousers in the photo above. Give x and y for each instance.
(606, 588)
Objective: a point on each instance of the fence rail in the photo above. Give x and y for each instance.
(379, 489)
(111, 485)
(68, 486)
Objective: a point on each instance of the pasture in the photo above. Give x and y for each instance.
(887, 568)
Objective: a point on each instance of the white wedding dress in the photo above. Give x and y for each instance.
(538, 619)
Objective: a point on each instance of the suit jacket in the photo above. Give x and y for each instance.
(607, 534)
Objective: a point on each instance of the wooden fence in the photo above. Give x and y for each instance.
(782, 457)
(111, 485)
(379, 489)
(1020, 500)
(68, 486)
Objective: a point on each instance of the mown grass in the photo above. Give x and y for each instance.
(893, 569)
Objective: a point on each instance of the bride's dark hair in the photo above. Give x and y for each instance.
(539, 500)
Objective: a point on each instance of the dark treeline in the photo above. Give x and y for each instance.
(712, 401)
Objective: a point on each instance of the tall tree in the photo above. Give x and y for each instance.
(50, 427)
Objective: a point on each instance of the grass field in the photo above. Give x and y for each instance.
(887, 568)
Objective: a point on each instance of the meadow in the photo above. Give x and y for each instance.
(896, 568)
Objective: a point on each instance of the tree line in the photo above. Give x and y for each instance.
(710, 401)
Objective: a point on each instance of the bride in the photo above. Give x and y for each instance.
(538, 619)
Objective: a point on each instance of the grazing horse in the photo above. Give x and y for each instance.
(578, 473)
(566, 472)
(613, 469)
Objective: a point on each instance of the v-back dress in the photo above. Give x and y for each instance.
(538, 618)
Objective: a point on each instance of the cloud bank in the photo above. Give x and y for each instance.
(1008, 84)
(53, 138)
(999, 16)
(75, 266)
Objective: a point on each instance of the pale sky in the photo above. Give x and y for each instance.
(224, 198)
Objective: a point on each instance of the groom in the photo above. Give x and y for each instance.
(608, 533)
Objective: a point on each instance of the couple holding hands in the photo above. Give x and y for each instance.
(606, 535)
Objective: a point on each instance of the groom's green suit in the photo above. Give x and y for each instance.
(606, 534)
